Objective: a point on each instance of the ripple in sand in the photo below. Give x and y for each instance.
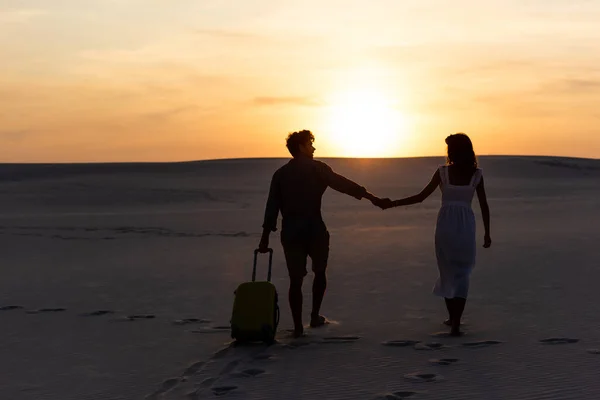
(8, 308)
(131, 318)
(46, 310)
(97, 313)
(141, 316)
(559, 340)
(483, 343)
(421, 377)
(212, 329)
(340, 339)
(400, 343)
(443, 361)
(187, 321)
(395, 395)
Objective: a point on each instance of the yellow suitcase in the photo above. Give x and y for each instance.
(255, 315)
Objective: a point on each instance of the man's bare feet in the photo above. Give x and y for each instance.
(456, 332)
(298, 333)
(318, 320)
(448, 322)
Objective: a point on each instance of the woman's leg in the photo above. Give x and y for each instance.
(449, 308)
(457, 306)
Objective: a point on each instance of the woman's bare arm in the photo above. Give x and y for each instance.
(485, 213)
(425, 193)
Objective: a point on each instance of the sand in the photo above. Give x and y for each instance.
(118, 279)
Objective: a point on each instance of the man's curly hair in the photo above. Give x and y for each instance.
(296, 139)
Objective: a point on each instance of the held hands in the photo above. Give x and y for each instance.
(379, 202)
(384, 204)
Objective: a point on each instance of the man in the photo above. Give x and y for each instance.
(296, 190)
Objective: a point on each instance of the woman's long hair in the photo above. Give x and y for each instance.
(460, 152)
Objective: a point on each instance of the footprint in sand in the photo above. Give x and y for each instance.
(559, 340)
(8, 308)
(221, 353)
(193, 395)
(264, 358)
(187, 321)
(46, 310)
(222, 390)
(420, 377)
(164, 388)
(229, 367)
(401, 343)
(483, 343)
(593, 351)
(97, 313)
(207, 382)
(430, 346)
(443, 361)
(395, 395)
(340, 339)
(192, 369)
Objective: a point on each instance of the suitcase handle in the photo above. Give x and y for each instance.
(270, 264)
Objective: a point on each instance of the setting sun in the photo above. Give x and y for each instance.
(205, 80)
(366, 124)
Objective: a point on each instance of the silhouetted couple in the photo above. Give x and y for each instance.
(297, 189)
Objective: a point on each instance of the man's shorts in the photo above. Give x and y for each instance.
(300, 244)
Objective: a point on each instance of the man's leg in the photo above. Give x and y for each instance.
(295, 299)
(295, 258)
(319, 287)
(319, 253)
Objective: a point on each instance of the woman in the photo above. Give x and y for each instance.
(455, 251)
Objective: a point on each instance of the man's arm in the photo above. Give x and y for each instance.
(271, 213)
(346, 186)
(343, 184)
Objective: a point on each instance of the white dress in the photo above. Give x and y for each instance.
(455, 236)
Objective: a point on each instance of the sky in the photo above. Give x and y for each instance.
(176, 80)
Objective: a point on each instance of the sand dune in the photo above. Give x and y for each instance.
(118, 279)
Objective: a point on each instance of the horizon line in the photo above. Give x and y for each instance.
(289, 157)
